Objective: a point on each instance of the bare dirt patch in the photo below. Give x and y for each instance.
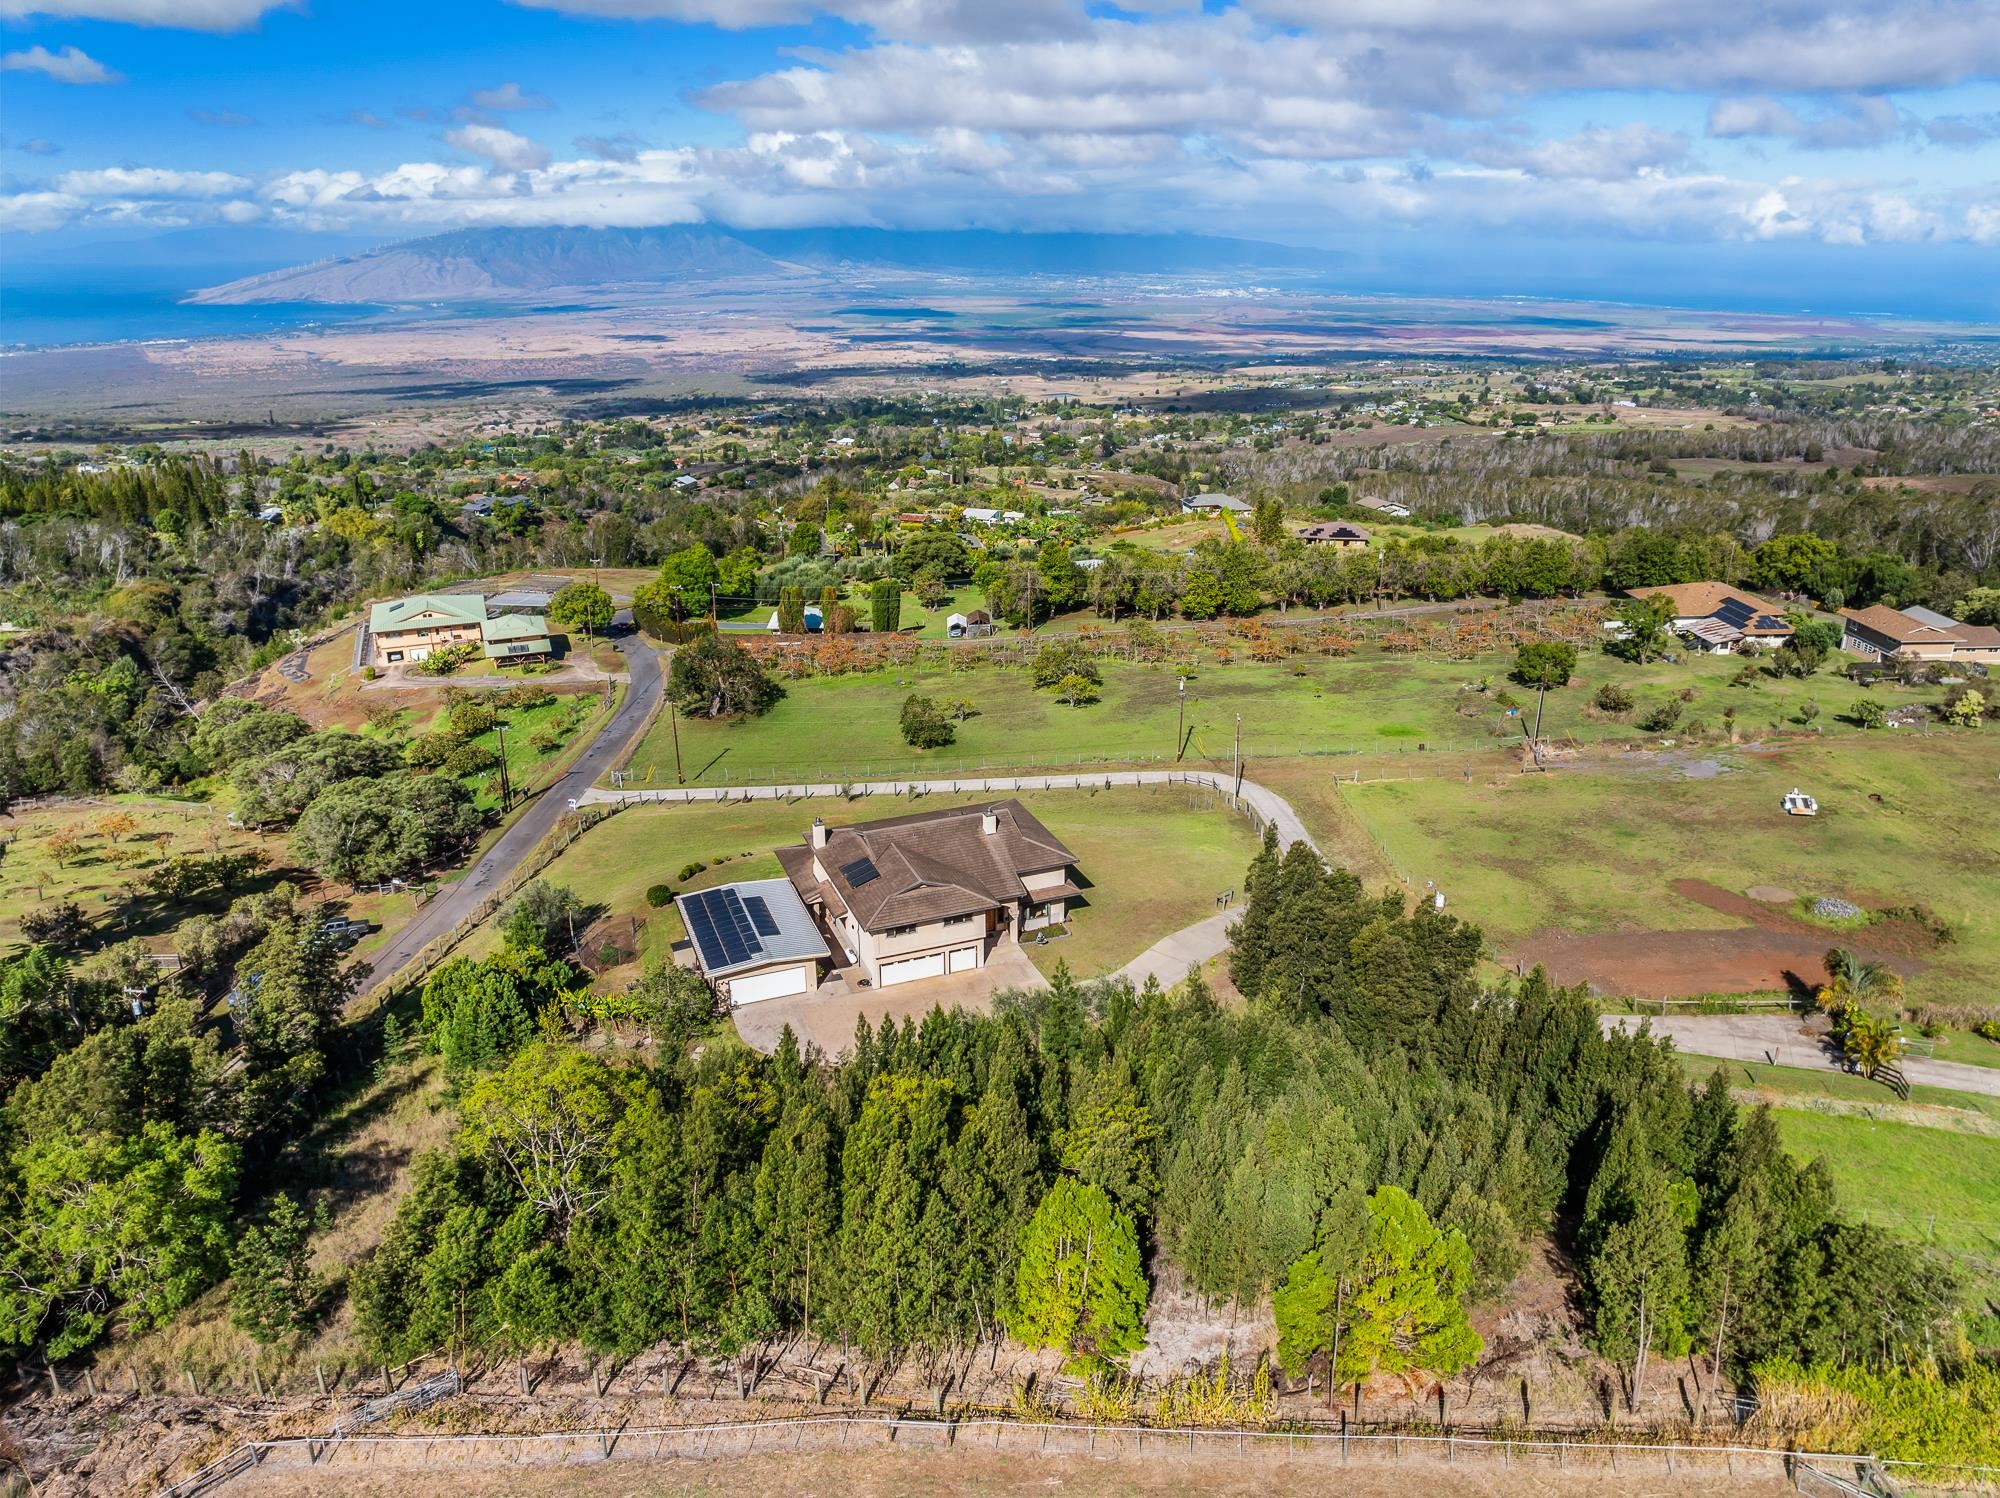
(888, 1472)
(1775, 951)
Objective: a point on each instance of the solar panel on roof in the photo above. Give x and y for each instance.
(859, 871)
(760, 915)
(1734, 611)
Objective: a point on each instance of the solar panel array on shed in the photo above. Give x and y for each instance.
(733, 927)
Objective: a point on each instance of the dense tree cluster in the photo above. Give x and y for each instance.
(1372, 1141)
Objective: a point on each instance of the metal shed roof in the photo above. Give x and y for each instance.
(736, 927)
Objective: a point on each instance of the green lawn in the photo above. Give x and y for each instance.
(1931, 1187)
(528, 767)
(845, 727)
(1595, 849)
(1154, 860)
(915, 619)
(1840, 1089)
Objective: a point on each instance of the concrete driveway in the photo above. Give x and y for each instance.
(827, 1018)
(1782, 1040)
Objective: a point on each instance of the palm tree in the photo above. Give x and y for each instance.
(1871, 1042)
(1852, 983)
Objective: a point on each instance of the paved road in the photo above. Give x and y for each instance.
(458, 900)
(1777, 1040)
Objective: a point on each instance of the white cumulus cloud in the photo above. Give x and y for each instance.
(186, 15)
(502, 147)
(151, 182)
(70, 65)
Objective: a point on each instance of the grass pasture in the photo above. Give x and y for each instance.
(1595, 848)
(31, 877)
(1921, 1184)
(845, 727)
(1124, 839)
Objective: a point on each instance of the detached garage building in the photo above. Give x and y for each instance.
(754, 940)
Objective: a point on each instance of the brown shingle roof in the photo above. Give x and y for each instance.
(928, 865)
(1896, 625)
(1706, 600)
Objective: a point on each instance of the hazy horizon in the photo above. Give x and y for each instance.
(1792, 155)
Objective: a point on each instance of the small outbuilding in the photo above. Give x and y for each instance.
(755, 940)
(516, 637)
(954, 627)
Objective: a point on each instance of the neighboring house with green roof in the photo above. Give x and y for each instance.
(517, 637)
(406, 630)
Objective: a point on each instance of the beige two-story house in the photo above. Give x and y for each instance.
(932, 893)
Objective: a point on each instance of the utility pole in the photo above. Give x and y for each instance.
(1180, 732)
(674, 723)
(713, 620)
(506, 786)
(1236, 758)
(1536, 746)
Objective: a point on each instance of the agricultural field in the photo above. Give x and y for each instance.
(86, 853)
(846, 727)
(1123, 838)
(1637, 872)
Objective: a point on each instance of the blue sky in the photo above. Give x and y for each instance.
(1860, 132)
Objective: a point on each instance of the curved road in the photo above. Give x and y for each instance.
(459, 899)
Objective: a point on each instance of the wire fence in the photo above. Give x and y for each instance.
(1330, 1448)
(647, 770)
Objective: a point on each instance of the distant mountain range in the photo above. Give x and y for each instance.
(474, 263)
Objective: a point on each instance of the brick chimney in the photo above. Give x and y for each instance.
(818, 833)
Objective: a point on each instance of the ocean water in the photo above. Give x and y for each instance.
(51, 305)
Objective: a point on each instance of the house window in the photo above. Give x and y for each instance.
(958, 920)
(394, 656)
(899, 931)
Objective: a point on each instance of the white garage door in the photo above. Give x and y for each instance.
(777, 984)
(964, 959)
(912, 968)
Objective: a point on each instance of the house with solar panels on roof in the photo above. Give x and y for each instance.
(1718, 619)
(932, 893)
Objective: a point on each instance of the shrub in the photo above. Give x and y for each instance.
(689, 870)
(1065, 658)
(367, 673)
(1545, 663)
(430, 750)
(1662, 718)
(1612, 698)
(659, 894)
(924, 724)
(470, 759)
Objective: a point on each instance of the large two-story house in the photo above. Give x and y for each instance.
(403, 631)
(934, 892)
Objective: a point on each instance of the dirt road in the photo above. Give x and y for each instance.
(888, 1472)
